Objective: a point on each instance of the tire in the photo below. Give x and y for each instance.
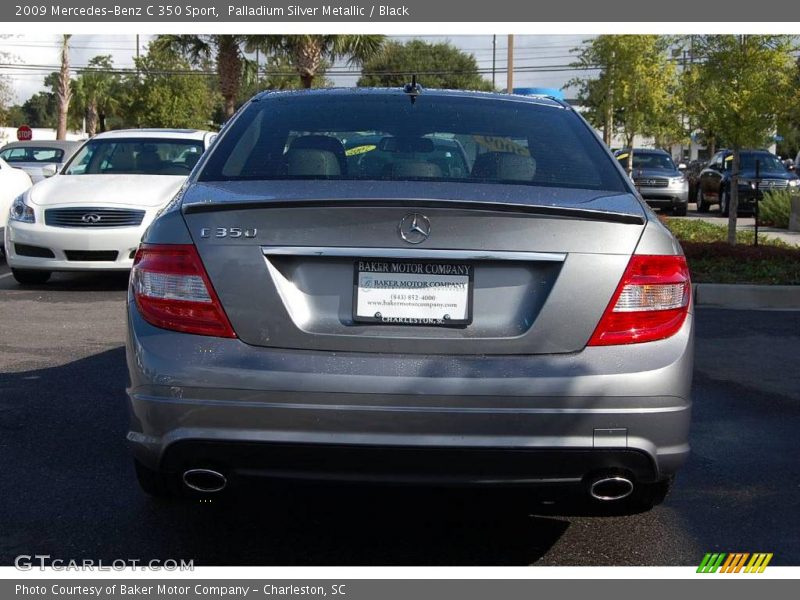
(31, 277)
(702, 207)
(679, 210)
(723, 203)
(153, 483)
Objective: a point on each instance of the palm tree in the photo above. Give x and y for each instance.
(94, 91)
(226, 51)
(64, 90)
(308, 52)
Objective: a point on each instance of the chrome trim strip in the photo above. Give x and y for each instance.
(411, 253)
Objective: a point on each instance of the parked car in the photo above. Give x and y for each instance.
(12, 183)
(657, 178)
(692, 174)
(92, 214)
(39, 159)
(715, 179)
(525, 322)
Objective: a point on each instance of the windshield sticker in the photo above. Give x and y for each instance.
(360, 149)
(501, 144)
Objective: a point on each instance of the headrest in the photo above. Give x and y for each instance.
(323, 142)
(312, 163)
(412, 168)
(504, 166)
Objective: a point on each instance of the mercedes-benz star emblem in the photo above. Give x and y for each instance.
(415, 228)
(91, 218)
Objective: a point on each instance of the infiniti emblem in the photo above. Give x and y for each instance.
(415, 228)
(91, 218)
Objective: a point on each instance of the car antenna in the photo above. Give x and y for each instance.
(413, 89)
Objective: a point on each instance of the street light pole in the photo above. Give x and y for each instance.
(494, 60)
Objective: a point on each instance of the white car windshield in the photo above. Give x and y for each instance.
(145, 156)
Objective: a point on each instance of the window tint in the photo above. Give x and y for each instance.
(767, 162)
(386, 137)
(135, 157)
(648, 160)
(32, 155)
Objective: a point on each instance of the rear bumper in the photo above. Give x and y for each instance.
(198, 401)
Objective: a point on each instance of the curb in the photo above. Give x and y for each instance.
(749, 297)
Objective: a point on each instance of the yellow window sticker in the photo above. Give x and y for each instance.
(360, 149)
(501, 144)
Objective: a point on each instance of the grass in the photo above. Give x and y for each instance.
(712, 260)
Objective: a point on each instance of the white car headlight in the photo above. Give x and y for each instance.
(21, 211)
(678, 180)
(794, 182)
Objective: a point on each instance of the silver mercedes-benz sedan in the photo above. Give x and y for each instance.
(407, 285)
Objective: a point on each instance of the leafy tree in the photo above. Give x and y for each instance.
(309, 53)
(41, 110)
(14, 116)
(226, 53)
(635, 90)
(63, 90)
(439, 65)
(96, 90)
(6, 97)
(166, 93)
(745, 85)
(6, 92)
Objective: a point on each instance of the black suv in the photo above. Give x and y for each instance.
(714, 185)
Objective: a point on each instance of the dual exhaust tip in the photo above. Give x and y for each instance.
(604, 489)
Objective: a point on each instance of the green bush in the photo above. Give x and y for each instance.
(695, 230)
(774, 209)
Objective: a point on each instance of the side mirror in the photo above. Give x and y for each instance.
(682, 167)
(49, 170)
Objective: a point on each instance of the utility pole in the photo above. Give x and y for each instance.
(510, 81)
(494, 59)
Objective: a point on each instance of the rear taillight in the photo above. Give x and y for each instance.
(650, 303)
(172, 291)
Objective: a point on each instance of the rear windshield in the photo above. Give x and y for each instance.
(146, 156)
(647, 160)
(386, 137)
(29, 154)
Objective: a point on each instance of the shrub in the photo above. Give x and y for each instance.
(774, 209)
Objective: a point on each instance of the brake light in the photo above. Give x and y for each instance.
(650, 303)
(172, 291)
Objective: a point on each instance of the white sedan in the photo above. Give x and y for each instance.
(12, 183)
(92, 214)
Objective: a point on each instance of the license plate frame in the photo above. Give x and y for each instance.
(462, 270)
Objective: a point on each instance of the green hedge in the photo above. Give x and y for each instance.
(774, 209)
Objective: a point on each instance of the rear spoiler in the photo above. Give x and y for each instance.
(585, 214)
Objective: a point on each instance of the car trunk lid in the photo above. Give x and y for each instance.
(290, 268)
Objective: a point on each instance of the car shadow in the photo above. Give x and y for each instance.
(108, 281)
(70, 492)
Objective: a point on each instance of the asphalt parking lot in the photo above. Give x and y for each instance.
(68, 488)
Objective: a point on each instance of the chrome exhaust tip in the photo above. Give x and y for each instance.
(608, 489)
(204, 480)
